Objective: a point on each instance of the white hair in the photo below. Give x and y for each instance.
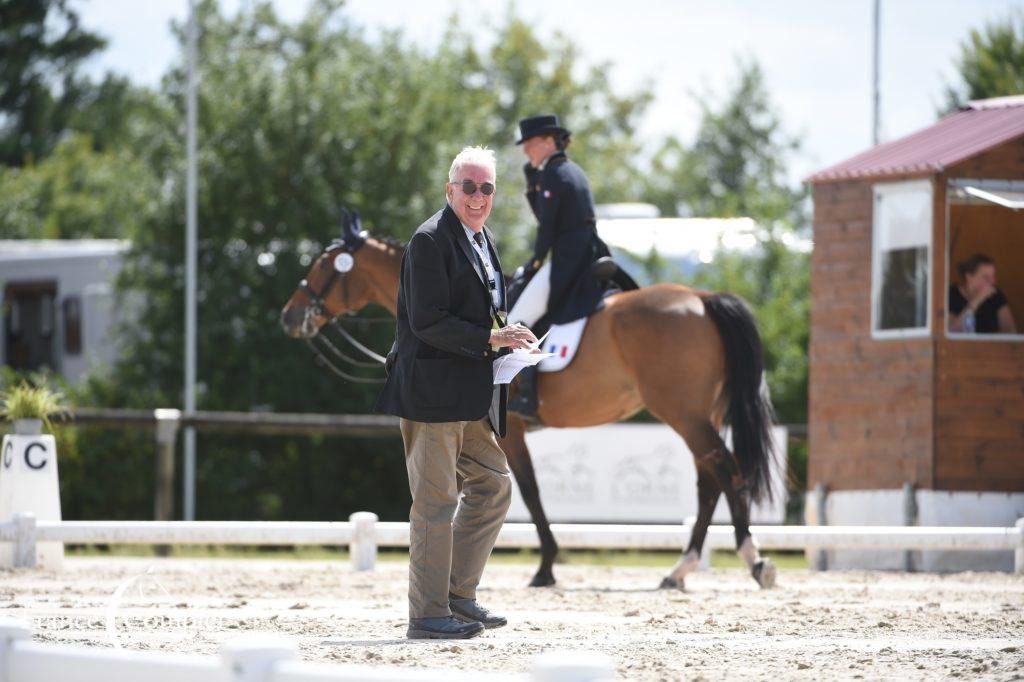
(473, 156)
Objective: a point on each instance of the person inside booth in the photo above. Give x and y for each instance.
(976, 306)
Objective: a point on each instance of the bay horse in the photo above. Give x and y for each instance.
(693, 359)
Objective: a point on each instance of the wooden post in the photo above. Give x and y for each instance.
(24, 540)
(363, 548)
(814, 513)
(572, 666)
(11, 632)
(909, 519)
(252, 658)
(1018, 555)
(167, 422)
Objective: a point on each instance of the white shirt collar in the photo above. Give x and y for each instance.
(470, 232)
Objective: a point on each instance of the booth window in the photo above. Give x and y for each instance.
(72, 311)
(986, 218)
(901, 244)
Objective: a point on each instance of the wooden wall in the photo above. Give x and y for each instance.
(979, 415)
(871, 402)
(1005, 162)
(979, 385)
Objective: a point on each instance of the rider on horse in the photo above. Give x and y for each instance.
(563, 289)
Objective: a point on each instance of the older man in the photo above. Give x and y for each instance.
(450, 326)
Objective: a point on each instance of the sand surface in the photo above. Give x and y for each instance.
(847, 625)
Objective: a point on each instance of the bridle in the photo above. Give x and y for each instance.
(351, 241)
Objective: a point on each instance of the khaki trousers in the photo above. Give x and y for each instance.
(450, 540)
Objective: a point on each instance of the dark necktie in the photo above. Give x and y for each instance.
(492, 286)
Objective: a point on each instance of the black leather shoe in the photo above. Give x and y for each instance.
(469, 611)
(442, 627)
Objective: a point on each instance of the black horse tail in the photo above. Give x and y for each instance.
(750, 412)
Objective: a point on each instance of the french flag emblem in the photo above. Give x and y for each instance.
(547, 194)
(560, 351)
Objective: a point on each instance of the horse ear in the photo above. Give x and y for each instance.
(352, 229)
(351, 224)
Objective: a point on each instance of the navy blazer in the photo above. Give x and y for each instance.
(561, 200)
(440, 366)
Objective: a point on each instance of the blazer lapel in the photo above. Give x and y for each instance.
(460, 238)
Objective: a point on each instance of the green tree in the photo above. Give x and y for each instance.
(42, 45)
(76, 192)
(737, 164)
(991, 63)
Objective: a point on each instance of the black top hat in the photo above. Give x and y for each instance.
(546, 124)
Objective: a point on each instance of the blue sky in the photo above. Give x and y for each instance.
(816, 55)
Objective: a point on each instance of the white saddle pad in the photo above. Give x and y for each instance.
(562, 340)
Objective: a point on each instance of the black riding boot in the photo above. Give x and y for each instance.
(524, 402)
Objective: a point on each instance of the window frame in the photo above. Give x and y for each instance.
(876, 262)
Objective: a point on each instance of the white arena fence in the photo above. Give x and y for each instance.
(248, 659)
(363, 534)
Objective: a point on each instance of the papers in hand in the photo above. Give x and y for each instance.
(508, 366)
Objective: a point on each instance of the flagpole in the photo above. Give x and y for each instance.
(191, 229)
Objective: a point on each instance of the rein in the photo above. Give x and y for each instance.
(324, 360)
(358, 346)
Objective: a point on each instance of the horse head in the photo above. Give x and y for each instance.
(340, 281)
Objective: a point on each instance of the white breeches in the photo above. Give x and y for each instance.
(533, 302)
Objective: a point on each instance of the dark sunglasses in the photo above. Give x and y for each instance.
(469, 187)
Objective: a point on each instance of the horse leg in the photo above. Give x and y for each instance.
(518, 455)
(718, 471)
(708, 492)
(726, 470)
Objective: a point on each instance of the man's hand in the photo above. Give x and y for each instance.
(514, 336)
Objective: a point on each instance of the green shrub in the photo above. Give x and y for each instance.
(25, 401)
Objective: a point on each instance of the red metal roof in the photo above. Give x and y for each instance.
(980, 126)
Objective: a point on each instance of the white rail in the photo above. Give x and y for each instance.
(246, 659)
(363, 534)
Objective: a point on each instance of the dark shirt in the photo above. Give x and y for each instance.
(986, 317)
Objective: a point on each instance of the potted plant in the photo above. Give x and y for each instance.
(30, 408)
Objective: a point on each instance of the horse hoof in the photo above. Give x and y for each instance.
(764, 573)
(542, 580)
(670, 583)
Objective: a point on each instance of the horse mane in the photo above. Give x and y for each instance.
(391, 241)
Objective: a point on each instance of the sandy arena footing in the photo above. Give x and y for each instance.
(846, 625)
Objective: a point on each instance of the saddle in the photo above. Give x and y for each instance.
(564, 339)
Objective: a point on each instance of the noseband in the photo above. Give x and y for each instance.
(317, 301)
(317, 307)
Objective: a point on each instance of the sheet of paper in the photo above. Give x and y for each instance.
(508, 366)
(540, 340)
